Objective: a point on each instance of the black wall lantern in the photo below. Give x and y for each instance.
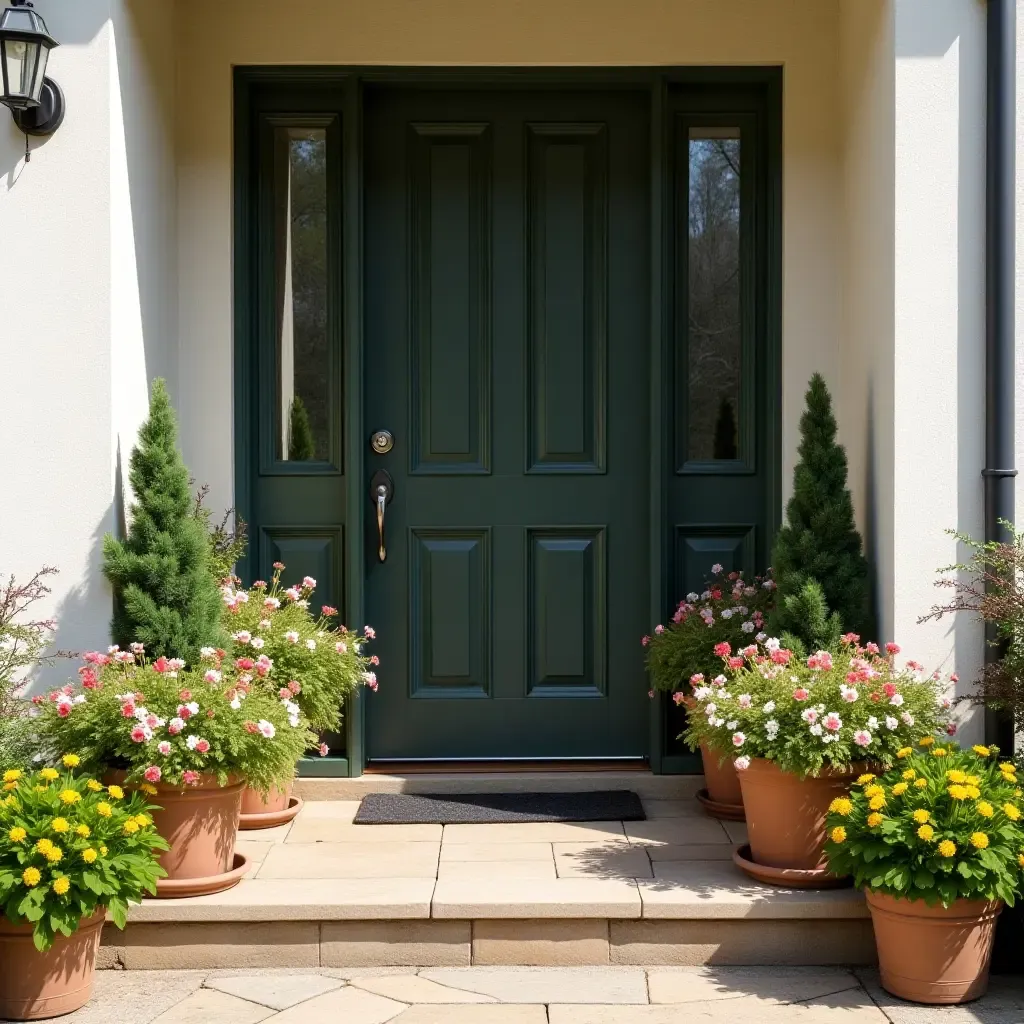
(35, 101)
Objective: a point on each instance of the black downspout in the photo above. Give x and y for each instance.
(1000, 259)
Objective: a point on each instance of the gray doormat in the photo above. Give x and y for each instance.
(497, 808)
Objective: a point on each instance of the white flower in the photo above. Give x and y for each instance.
(308, 582)
(710, 709)
(742, 763)
(243, 636)
(848, 693)
(177, 663)
(266, 728)
(719, 680)
(771, 727)
(271, 602)
(748, 627)
(79, 698)
(207, 652)
(815, 730)
(891, 723)
(731, 725)
(718, 722)
(742, 609)
(772, 643)
(744, 700)
(705, 594)
(809, 715)
(691, 597)
(291, 636)
(191, 742)
(341, 647)
(703, 692)
(872, 722)
(716, 569)
(264, 623)
(236, 703)
(257, 642)
(175, 725)
(769, 707)
(293, 593)
(193, 707)
(738, 739)
(311, 644)
(896, 700)
(761, 637)
(908, 718)
(293, 721)
(727, 613)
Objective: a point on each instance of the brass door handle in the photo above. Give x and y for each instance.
(382, 490)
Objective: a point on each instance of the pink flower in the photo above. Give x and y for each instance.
(341, 647)
(696, 679)
(368, 632)
(63, 710)
(951, 729)
(244, 664)
(243, 636)
(293, 593)
(374, 660)
(781, 656)
(284, 693)
(295, 686)
(203, 747)
(889, 689)
(329, 611)
(175, 725)
(735, 662)
(164, 747)
(871, 647)
(139, 734)
(324, 749)
(650, 695)
(723, 649)
(279, 566)
(744, 700)
(212, 675)
(308, 583)
(291, 636)
(266, 728)
(127, 709)
(800, 693)
(742, 763)
(370, 678)
(738, 739)
(271, 602)
(862, 738)
(850, 638)
(152, 773)
(809, 715)
(190, 778)
(891, 648)
(820, 662)
(263, 665)
(643, 640)
(678, 698)
(658, 630)
(833, 722)
(138, 648)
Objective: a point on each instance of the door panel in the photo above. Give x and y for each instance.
(507, 299)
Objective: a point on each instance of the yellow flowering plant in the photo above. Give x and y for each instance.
(942, 824)
(70, 846)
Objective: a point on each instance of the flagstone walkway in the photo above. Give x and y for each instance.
(522, 995)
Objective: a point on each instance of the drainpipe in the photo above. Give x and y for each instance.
(1000, 259)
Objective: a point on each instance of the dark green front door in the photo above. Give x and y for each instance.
(507, 337)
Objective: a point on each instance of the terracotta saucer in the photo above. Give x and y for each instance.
(174, 888)
(717, 809)
(269, 819)
(787, 878)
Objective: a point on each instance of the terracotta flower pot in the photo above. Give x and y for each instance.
(934, 954)
(200, 823)
(34, 985)
(786, 814)
(277, 808)
(721, 777)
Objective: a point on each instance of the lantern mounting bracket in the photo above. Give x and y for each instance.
(35, 101)
(47, 116)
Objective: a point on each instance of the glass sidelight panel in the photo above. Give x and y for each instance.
(303, 413)
(714, 336)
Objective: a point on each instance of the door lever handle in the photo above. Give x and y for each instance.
(382, 490)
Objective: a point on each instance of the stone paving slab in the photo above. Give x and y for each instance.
(535, 897)
(278, 991)
(208, 1005)
(350, 860)
(548, 984)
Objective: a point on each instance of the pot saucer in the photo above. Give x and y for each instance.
(718, 809)
(174, 888)
(269, 819)
(787, 878)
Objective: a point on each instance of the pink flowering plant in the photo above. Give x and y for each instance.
(163, 723)
(830, 710)
(317, 664)
(729, 610)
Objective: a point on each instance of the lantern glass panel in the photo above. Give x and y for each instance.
(22, 64)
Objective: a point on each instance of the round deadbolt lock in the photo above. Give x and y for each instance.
(382, 442)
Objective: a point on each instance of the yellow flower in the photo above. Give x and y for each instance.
(926, 832)
(1012, 812)
(910, 774)
(973, 780)
(980, 750)
(17, 834)
(8, 786)
(985, 809)
(49, 774)
(93, 786)
(921, 816)
(1020, 859)
(12, 774)
(876, 803)
(104, 810)
(979, 839)
(84, 831)
(958, 792)
(71, 760)
(61, 885)
(926, 741)
(31, 877)
(69, 796)
(921, 784)
(874, 790)
(875, 819)
(54, 854)
(947, 848)
(131, 826)
(904, 752)
(839, 834)
(973, 792)
(899, 789)
(841, 805)
(143, 820)
(940, 752)
(44, 846)
(955, 775)
(149, 789)
(116, 792)
(863, 780)
(11, 801)
(59, 825)
(89, 855)
(40, 789)
(103, 851)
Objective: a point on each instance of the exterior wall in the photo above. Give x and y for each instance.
(913, 76)
(801, 34)
(89, 297)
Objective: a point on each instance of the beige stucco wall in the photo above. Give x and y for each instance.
(800, 34)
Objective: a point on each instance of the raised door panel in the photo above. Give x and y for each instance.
(304, 551)
(450, 344)
(699, 547)
(567, 282)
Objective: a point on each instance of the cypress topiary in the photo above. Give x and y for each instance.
(300, 440)
(818, 564)
(164, 593)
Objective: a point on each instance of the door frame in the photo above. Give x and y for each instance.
(255, 90)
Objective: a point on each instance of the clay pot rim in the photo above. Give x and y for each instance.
(204, 885)
(24, 928)
(719, 809)
(270, 819)
(764, 766)
(961, 909)
(786, 878)
(205, 784)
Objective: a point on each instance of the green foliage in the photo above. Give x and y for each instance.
(819, 541)
(942, 825)
(161, 723)
(830, 711)
(227, 546)
(164, 593)
(820, 630)
(728, 610)
(322, 664)
(725, 445)
(70, 846)
(22, 643)
(300, 435)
